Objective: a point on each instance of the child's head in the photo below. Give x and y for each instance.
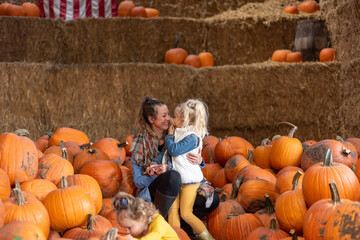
(194, 113)
(133, 214)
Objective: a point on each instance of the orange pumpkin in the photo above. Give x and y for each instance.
(127, 184)
(321, 174)
(211, 169)
(68, 134)
(209, 144)
(5, 187)
(112, 217)
(124, 8)
(318, 214)
(40, 187)
(239, 226)
(151, 12)
(262, 154)
(272, 232)
(60, 151)
(129, 139)
(175, 55)
(309, 6)
(292, 8)
(327, 55)
(307, 144)
(267, 213)
(68, 207)
(236, 163)
(220, 179)
(88, 155)
(290, 207)
(280, 55)
(228, 147)
(43, 142)
(18, 157)
(284, 181)
(106, 173)
(294, 57)
(22, 207)
(193, 60)
(74, 147)
(113, 148)
(106, 207)
(286, 151)
(3, 8)
(21, 230)
(207, 59)
(181, 233)
(138, 11)
(294, 236)
(31, 9)
(253, 172)
(2, 213)
(15, 10)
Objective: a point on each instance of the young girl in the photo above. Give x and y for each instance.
(141, 218)
(190, 121)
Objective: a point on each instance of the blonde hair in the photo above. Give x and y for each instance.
(136, 208)
(147, 109)
(194, 113)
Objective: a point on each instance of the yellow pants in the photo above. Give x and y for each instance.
(185, 201)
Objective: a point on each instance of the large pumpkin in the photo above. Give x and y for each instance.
(2, 213)
(113, 148)
(40, 187)
(321, 174)
(127, 183)
(68, 207)
(236, 163)
(5, 187)
(286, 151)
(18, 157)
(209, 144)
(88, 155)
(61, 151)
(267, 213)
(21, 230)
(68, 134)
(229, 147)
(239, 226)
(272, 232)
(220, 179)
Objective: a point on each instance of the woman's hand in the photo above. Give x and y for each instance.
(155, 169)
(194, 158)
(162, 168)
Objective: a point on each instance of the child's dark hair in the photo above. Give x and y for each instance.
(135, 208)
(147, 108)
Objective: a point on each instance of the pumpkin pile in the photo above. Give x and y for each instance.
(127, 8)
(307, 6)
(27, 9)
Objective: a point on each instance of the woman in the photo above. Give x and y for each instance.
(152, 173)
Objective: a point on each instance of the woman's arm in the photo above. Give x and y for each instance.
(185, 145)
(141, 181)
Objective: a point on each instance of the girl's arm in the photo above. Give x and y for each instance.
(185, 145)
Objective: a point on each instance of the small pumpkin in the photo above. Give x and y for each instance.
(267, 213)
(88, 155)
(15, 10)
(3, 8)
(175, 55)
(309, 6)
(129, 139)
(151, 12)
(262, 154)
(292, 8)
(211, 169)
(294, 57)
(209, 144)
(280, 55)
(207, 59)
(193, 60)
(236, 163)
(138, 11)
(31, 9)
(327, 55)
(124, 8)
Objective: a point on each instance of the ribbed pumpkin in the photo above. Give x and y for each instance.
(239, 226)
(217, 218)
(21, 207)
(60, 151)
(294, 236)
(225, 190)
(321, 174)
(290, 208)
(129, 139)
(211, 169)
(286, 151)
(54, 235)
(127, 183)
(272, 232)
(52, 167)
(288, 169)
(209, 144)
(68, 134)
(40, 187)
(252, 172)
(284, 181)
(106, 207)
(31, 9)
(106, 173)
(90, 186)
(21, 230)
(307, 144)
(88, 155)
(42, 142)
(5, 188)
(344, 222)
(251, 194)
(355, 142)
(267, 213)
(18, 157)
(113, 148)
(262, 154)
(88, 230)
(309, 6)
(68, 207)
(354, 153)
(229, 147)
(318, 214)
(2, 213)
(316, 153)
(236, 163)
(220, 179)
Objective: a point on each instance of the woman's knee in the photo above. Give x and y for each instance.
(170, 183)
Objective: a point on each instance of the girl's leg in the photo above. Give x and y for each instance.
(164, 190)
(174, 217)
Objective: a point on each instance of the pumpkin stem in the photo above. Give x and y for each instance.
(90, 222)
(17, 184)
(22, 133)
(63, 182)
(151, 4)
(121, 145)
(194, 50)
(250, 157)
(269, 205)
(273, 224)
(111, 234)
(328, 162)
(61, 144)
(235, 190)
(292, 131)
(295, 181)
(19, 197)
(176, 41)
(275, 137)
(64, 153)
(211, 155)
(218, 190)
(265, 142)
(223, 197)
(335, 197)
(83, 146)
(328, 45)
(340, 139)
(293, 234)
(92, 150)
(49, 133)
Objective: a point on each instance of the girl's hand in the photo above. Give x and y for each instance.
(194, 158)
(171, 130)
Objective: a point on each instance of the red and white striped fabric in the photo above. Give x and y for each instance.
(74, 9)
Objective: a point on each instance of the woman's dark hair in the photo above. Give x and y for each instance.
(147, 109)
